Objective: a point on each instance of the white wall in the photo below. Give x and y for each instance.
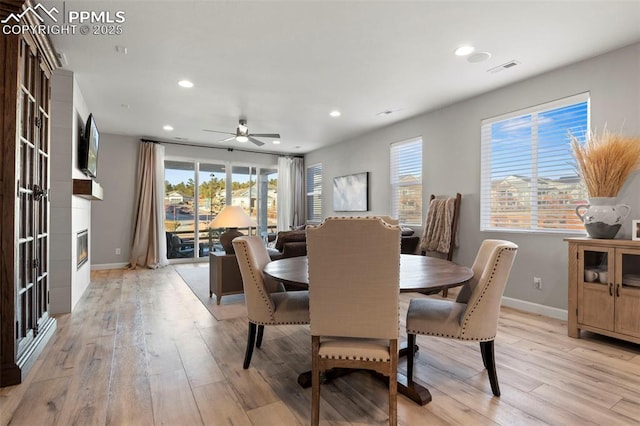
(69, 214)
(451, 161)
(112, 218)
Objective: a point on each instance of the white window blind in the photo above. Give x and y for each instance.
(406, 181)
(528, 176)
(314, 193)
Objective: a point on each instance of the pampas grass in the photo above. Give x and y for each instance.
(605, 161)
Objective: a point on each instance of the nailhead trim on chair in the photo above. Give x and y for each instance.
(493, 271)
(266, 298)
(482, 339)
(355, 358)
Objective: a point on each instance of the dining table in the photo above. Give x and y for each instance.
(418, 273)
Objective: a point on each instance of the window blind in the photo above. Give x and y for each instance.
(528, 177)
(314, 193)
(406, 181)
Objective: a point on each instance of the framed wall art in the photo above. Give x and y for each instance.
(351, 193)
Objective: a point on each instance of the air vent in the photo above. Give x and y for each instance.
(504, 66)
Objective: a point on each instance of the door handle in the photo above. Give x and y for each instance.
(618, 290)
(610, 289)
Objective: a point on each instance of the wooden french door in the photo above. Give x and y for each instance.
(32, 203)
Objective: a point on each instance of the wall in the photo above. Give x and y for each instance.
(69, 214)
(451, 163)
(112, 218)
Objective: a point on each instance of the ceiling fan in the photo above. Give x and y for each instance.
(242, 134)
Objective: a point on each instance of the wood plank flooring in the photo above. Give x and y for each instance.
(140, 349)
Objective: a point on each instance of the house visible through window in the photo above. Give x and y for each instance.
(314, 193)
(529, 181)
(406, 181)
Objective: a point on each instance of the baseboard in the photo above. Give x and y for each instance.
(535, 308)
(108, 266)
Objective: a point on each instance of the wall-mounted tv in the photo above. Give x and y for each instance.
(88, 148)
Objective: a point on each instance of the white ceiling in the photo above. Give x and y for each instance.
(285, 65)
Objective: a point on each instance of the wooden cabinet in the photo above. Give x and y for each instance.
(25, 324)
(224, 275)
(604, 287)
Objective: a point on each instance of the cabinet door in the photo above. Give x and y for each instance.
(595, 294)
(627, 284)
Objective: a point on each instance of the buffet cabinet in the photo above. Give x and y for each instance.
(25, 325)
(604, 288)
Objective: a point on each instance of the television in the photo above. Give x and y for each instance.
(88, 148)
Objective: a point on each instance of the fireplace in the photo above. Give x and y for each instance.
(83, 247)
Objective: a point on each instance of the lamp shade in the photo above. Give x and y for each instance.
(232, 217)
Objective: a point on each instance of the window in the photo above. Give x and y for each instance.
(314, 193)
(528, 178)
(406, 181)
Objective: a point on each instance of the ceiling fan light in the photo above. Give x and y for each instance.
(242, 139)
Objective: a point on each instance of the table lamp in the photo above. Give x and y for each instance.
(232, 218)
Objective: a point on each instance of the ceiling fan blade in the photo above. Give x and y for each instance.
(267, 135)
(227, 139)
(256, 141)
(218, 131)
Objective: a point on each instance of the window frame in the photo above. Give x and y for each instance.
(395, 183)
(486, 215)
(313, 186)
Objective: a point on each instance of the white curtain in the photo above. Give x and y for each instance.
(290, 192)
(149, 245)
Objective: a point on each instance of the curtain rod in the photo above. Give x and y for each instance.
(220, 147)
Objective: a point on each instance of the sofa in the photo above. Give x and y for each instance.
(294, 243)
(287, 244)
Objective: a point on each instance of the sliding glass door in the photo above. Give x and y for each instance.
(195, 192)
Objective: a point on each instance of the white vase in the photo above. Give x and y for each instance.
(603, 217)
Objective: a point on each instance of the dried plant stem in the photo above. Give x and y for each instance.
(606, 161)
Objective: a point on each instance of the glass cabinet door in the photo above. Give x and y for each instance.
(627, 289)
(595, 289)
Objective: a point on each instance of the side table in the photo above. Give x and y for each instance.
(224, 275)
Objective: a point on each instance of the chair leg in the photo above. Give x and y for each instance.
(488, 356)
(315, 381)
(445, 293)
(259, 338)
(393, 383)
(483, 352)
(251, 340)
(411, 345)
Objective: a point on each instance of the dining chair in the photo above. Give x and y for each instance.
(474, 314)
(440, 227)
(353, 300)
(265, 305)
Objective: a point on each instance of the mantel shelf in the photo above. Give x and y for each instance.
(87, 188)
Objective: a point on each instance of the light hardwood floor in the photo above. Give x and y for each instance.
(141, 349)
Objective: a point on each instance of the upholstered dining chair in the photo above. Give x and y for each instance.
(474, 314)
(353, 300)
(265, 306)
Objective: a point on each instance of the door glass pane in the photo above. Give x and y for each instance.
(267, 195)
(595, 266)
(244, 191)
(179, 208)
(630, 270)
(211, 199)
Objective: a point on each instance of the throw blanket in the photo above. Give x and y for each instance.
(437, 229)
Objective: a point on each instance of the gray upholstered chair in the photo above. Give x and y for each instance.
(474, 314)
(265, 307)
(353, 292)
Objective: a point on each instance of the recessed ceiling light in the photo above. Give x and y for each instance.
(185, 83)
(167, 128)
(276, 142)
(464, 50)
(479, 57)
(335, 113)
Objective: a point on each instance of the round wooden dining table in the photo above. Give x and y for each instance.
(417, 274)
